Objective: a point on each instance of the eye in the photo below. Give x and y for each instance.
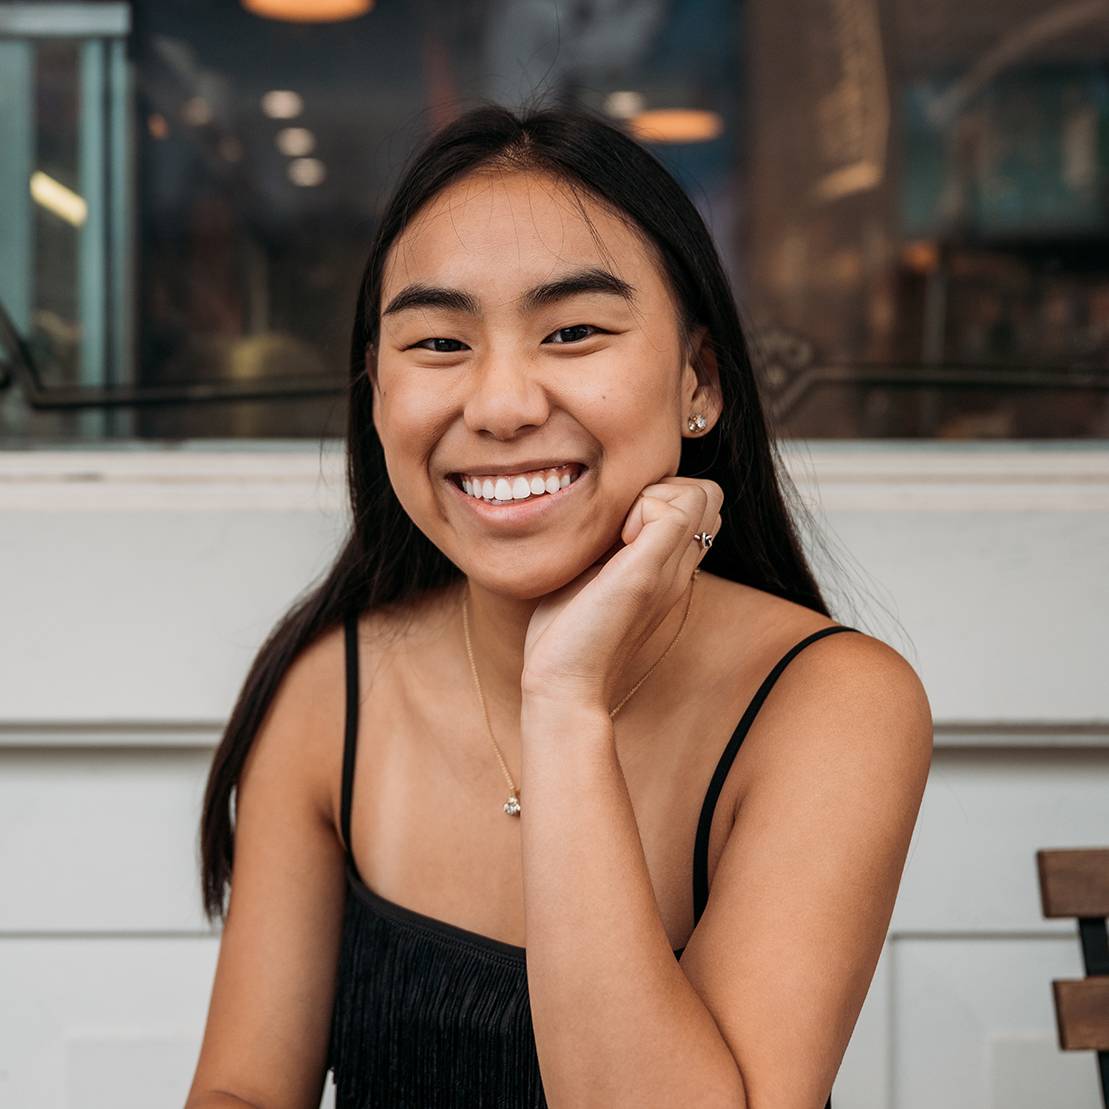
(577, 327)
(434, 350)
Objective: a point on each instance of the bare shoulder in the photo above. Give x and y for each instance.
(297, 738)
(777, 624)
(847, 688)
(388, 641)
(855, 669)
(847, 692)
(310, 702)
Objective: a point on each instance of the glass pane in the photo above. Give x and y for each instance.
(926, 216)
(909, 195)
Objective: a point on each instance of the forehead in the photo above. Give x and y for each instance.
(503, 231)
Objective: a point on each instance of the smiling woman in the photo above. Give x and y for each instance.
(551, 403)
(612, 397)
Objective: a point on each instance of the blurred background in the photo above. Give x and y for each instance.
(909, 196)
(912, 200)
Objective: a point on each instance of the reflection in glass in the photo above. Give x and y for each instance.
(910, 197)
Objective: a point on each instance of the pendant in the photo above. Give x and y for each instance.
(512, 805)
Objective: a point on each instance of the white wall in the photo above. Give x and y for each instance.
(135, 586)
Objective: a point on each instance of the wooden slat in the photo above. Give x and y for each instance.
(1082, 1013)
(1074, 882)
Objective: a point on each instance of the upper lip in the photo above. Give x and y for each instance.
(523, 467)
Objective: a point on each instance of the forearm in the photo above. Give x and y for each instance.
(616, 1020)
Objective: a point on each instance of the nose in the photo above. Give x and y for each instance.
(504, 396)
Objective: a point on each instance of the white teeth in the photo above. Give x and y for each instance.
(517, 488)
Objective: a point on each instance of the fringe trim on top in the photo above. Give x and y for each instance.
(423, 1020)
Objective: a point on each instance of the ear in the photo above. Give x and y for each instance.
(701, 390)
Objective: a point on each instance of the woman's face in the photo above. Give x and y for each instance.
(481, 367)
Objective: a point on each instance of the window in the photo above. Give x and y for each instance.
(910, 198)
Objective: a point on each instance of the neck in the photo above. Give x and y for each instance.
(498, 626)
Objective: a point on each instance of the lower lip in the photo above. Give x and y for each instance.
(520, 512)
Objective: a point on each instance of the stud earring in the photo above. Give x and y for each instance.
(696, 423)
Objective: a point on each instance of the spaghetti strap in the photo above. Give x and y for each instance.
(701, 843)
(350, 735)
(716, 784)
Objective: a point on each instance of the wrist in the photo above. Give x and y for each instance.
(570, 716)
(561, 689)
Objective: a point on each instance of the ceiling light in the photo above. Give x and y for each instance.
(308, 11)
(282, 104)
(295, 142)
(307, 171)
(624, 104)
(196, 111)
(676, 125)
(57, 198)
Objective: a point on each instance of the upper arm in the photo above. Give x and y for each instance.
(269, 1017)
(804, 890)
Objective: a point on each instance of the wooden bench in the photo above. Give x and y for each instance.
(1075, 883)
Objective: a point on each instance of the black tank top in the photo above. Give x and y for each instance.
(428, 1014)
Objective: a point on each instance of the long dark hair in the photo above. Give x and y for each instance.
(386, 559)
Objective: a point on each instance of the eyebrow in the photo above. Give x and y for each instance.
(591, 280)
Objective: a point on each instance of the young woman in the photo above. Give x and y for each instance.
(511, 716)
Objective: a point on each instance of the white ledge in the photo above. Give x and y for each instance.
(872, 475)
(205, 734)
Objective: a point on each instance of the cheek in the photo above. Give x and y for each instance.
(625, 394)
(637, 419)
(407, 418)
(645, 381)
(407, 428)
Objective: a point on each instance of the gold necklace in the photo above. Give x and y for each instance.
(512, 805)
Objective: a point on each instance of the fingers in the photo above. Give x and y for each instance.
(695, 507)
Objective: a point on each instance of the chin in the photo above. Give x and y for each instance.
(529, 583)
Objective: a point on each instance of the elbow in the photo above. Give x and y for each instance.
(219, 1099)
(734, 1095)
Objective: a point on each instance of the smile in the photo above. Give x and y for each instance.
(528, 497)
(501, 488)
